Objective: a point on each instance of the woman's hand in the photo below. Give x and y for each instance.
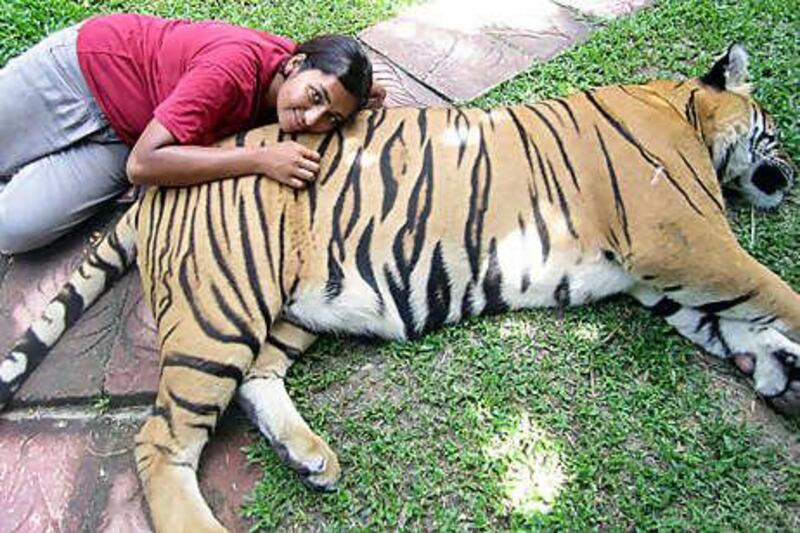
(290, 163)
(158, 159)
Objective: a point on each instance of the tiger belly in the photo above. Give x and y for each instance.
(508, 280)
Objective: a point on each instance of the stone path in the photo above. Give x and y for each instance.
(65, 442)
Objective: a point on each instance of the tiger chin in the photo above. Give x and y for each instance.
(421, 217)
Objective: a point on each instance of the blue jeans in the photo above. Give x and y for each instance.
(59, 157)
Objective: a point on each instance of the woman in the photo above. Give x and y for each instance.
(131, 99)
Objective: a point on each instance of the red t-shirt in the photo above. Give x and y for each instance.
(201, 80)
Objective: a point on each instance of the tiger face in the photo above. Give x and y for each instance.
(742, 138)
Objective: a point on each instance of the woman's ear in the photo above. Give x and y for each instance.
(292, 65)
(377, 94)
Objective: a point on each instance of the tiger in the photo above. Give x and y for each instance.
(422, 217)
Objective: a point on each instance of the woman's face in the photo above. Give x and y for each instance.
(312, 101)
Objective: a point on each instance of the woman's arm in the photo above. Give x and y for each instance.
(158, 159)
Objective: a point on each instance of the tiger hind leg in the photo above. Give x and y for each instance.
(264, 397)
(194, 390)
(769, 355)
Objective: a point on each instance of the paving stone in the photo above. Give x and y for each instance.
(133, 369)
(39, 471)
(607, 8)
(126, 511)
(462, 49)
(226, 478)
(401, 89)
(74, 368)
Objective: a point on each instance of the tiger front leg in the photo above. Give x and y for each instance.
(194, 390)
(759, 350)
(264, 397)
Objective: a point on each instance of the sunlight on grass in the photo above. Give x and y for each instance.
(589, 332)
(535, 475)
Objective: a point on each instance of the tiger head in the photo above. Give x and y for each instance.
(740, 135)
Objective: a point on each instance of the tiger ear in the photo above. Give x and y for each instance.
(729, 73)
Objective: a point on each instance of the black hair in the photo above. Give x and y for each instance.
(343, 57)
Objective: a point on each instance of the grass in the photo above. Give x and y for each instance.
(596, 418)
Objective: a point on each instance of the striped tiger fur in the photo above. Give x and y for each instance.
(421, 217)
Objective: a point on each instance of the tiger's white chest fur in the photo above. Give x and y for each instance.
(513, 274)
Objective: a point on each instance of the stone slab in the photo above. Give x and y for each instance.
(463, 48)
(226, 478)
(606, 8)
(401, 89)
(39, 471)
(74, 368)
(133, 369)
(125, 510)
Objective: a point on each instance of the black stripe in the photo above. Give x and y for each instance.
(493, 283)
(419, 209)
(568, 109)
(186, 195)
(221, 261)
(562, 202)
(351, 183)
(282, 253)
(165, 413)
(387, 172)
(337, 157)
(35, 351)
(691, 111)
(480, 185)
(665, 307)
(524, 140)
(200, 409)
(638, 98)
(619, 204)
(422, 123)
(415, 225)
(561, 294)
(400, 297)
(240, 137)
(262, 221)
(560, 144)
(549, 107)
(253, 274)
(354, 181)
(544, 173)
(244, 337)
(724, 305)
(714, 332)
(650, 158)
(700, 183)
(289, 351)
(541, 226)
(462, 139)
(219, 198)
(364, 262)
(438, 290)
(374, 121)
(152, 236)
(205, 366)
(333, 285)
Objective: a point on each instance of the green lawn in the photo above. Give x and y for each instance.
(598, 418)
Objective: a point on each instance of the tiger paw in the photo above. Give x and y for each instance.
(779, 377)
(312, 458)
(776, 375)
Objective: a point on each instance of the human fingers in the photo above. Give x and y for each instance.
(303, 174)
(309, 165)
